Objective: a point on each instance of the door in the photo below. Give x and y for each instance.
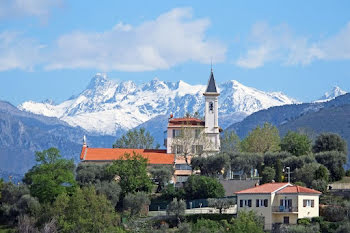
(286, 220)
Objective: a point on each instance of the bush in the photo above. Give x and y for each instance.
(176, 209)
(334, 213)
(268, 175)
(221, 203)
(136, 202)
(207, 226)
(320, 185)
(201, 187)
(304, 221)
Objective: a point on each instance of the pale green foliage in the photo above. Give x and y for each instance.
(176, 209)
(207, 226)
(245, 162)
(296, 143)
(247, 222)
(299, 229)
(230, 142)
(136, 202)
(213, 165)
(221, 203)
(137, 139)
(162, 175)
(262, 139)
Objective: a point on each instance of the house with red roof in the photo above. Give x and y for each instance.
(280, 203)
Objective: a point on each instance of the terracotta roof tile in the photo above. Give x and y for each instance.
(110, 154)
(298, 189)
(264, 188)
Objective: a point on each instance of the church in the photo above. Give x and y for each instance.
(185, 137)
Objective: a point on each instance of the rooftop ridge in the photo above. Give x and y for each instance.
(283, 187)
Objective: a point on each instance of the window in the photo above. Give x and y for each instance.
(182, 167)
(176, 133)
(197, 149)
(308, 203)
(211, 106)
(245, 203)
(286, 220)
(179, 149)
(262, 202)
(197, 132)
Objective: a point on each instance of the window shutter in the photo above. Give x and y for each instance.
(240, 203)
(312, 203)
(281, 202)
(265, 202)
(304, 203)
(250, 203)
(257, 202)
(173, 133)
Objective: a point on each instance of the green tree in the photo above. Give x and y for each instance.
(221, 203)
(131, 173)
(207, 226)
(334, 162)
(211, 165)
(162, 175)
(176, 209)
(247, 222)
(270, 158)
(230, 142)
(51, 176)
(268, 174)
(111, 189)
(279, 171)
(262, 139)
(137, 139)
(322, 173)
(198, 187)
(329, 142)
(306, 174)
(84, 211)
(296, 143)
(320, 185)
(136, 202)
(245, 162)
(91, 173)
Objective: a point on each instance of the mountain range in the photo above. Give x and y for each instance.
(110, 108)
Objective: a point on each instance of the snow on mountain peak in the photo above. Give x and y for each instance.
(106, 106)
(335, 92)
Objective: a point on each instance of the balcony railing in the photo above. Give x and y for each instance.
(284, 209)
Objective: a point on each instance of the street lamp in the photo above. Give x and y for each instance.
(288, 168)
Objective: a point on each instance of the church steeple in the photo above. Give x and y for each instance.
(211, 87)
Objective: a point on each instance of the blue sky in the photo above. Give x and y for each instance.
(51, 49)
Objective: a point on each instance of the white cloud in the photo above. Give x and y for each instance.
(280, 44)
(20, 8)
(172, 38)
(17, 52)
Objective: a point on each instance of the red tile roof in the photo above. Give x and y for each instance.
(298, 189)
(110, 154)
(280, 188)
(264, 188)
(186, 121)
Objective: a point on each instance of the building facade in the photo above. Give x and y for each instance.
(193, 136)
(280, 203)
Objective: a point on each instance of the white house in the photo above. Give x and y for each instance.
(280, 202)
(193, 136)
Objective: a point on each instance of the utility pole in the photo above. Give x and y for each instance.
(288, 168)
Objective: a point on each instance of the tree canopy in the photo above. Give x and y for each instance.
(329, 142)
(137, 139)
(296, 143)
(51, 176)
(262, 139)
(230, 142)
(198, 187)
(213, 165)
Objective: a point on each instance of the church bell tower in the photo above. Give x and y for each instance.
(212, 114)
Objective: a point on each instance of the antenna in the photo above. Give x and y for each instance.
(211, 64)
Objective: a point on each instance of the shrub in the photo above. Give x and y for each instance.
(199, 187)
(136, 203)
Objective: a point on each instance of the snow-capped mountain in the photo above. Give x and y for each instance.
(335, 92)
(107, 106)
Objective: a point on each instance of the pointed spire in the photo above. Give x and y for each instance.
(211, 83)
(84, 141)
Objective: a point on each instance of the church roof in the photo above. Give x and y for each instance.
(211, 84)
(190, 121)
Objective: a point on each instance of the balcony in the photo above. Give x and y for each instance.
(284, 209)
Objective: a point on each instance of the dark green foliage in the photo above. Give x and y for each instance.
(170, 192)
(320, 185)
(84, 211)
(131, 173)
(162, 175)
(229, 142)
(334, 162)
(212, 165)
(262, 140)
(245, 162)
(347, 173)
(111, 189)
(268, 174)
(136, 202)
(137, 139)
(329, 142)
(278, 170)
(296, 143)
(15, 201)
(207, 226)
(322, 173)
(247, 222)
(200, 187)
(90, 173)
(51, 177)
(270, 159)
(306, 174)
(344, 228)
(293, 162)
(333, 213)
(310, 228)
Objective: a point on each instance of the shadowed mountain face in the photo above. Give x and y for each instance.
(23, 133)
